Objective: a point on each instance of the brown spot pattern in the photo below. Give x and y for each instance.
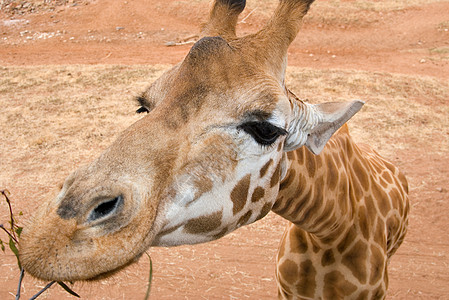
(376, 166)
(221, 233)
(244, 219)
(371, 211)
(356, 259)
(285, 208)
(396, 199)
(317, 201)
(349, 150)
(301, 185)
(298, 210)
(357, 190)
(332, 173)
(318, 194)
(363, 295)
(276, 176)
(363, 223)
(289, 271)
(204, 224)
(336, 286)
(377, 262)
(390, 166)
(383, 182)
(382, 200)
(239, 194)
(258, 194)
(264, 169)
(280, 147)
(327, 258)
(307, 284)
(298, 241)
(169, 230)
(351, 235)
(380, 232)
(265, 210)
(300, 155)
(361, 174)
(379, 293)
(318, 161)
(289, 179)
(387, 177)
(291, 155)
(310, 164)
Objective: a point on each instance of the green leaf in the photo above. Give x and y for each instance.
(12, 246)
(68, 290)
(19, 231)
(2, 245)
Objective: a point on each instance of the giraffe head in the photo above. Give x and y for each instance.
(205, 160)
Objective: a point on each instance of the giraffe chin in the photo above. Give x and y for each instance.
(74, 278)
(64, 268)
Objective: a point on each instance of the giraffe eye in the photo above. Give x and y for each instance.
(105, 208)
(263, 132)
(142, 109)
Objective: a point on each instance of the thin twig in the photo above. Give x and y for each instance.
(8, 233)
(169, 44)
(190, 37)
(43, 290)
(249, 14)
(22, 273)
(11, 215)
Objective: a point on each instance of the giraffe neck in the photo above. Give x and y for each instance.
(316, 192)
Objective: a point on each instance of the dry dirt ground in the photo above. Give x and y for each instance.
(69, 71)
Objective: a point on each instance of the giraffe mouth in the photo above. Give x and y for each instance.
(112, 272)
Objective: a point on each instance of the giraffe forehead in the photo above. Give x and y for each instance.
(207, 50)
(198, 102)
(216, 77)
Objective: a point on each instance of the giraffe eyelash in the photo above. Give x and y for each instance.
(263, 132)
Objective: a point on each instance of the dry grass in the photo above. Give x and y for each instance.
(57, 117)
(401, 111)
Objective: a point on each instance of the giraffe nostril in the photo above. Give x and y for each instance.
(105, 208)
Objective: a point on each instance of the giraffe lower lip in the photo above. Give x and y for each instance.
(110, 273)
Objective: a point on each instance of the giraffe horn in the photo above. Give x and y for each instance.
(272, 41)
(286, 20)
(223, 18)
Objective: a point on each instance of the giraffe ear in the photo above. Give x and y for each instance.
(333, 116)
(317, 123)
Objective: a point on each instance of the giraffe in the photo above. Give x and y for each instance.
(348, 213)
(223, 143)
